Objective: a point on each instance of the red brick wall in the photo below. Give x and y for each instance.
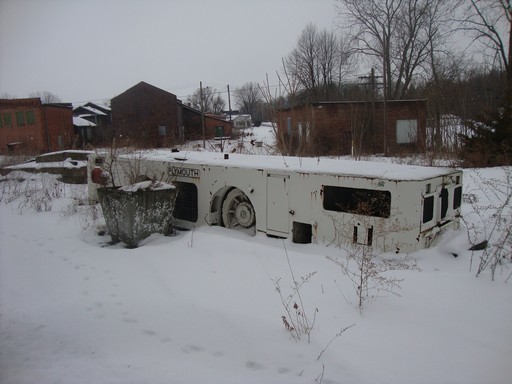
(404, 110)
(59, 122)
(334, 127)
(37, 136)
(193, 125)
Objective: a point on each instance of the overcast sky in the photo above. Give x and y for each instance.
(83, 50)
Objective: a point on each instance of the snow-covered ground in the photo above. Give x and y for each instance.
(201, 306)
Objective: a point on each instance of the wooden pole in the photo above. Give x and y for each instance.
(202, 113)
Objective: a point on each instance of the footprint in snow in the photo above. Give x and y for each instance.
(254, 365)
(191, 348)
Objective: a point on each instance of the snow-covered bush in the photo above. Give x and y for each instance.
(370, 274)
(490, 202)
(297, 320)
(30, 191)
(367, 269)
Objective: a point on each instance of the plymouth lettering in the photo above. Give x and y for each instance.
(184, 172)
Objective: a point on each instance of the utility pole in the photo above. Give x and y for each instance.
(371, 82)
(385, 80)
(202, 112)
(229, 104)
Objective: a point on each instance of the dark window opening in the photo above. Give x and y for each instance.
(20, 118)
(7, 119)
(31, 118)
(302, 233)
(428, 209)
(369, 239)
(186, 202)
(360, 201)
(444, 202)
(457, 197)
(370, 236)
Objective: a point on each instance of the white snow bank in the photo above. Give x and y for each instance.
(201, 307)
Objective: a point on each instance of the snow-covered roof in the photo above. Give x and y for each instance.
(80, 122)
(369, 169)
(237, 117)
(95, 111)
(91, 110)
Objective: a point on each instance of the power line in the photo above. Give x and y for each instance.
(348, 82)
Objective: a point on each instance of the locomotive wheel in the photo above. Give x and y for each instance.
(237, 211)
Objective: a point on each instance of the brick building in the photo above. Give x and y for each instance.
(147, 115)
(351, 127)
(153, 117)
(28, 126)
(215, 126)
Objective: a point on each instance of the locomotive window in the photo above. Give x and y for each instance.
(186, 202)
(444, 202)
(457, 197)
(360, 201)
(428, 209)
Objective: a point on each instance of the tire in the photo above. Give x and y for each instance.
(237, 211)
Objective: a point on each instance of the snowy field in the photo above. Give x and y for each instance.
(201, 306)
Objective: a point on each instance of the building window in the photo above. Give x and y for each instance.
(31, 118)
(406, 131)
(20, 118)
(162, 130)
(7, 119)
(368, 202)
(1, 121)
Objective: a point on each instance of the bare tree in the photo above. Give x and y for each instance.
(7, 96)
(397, 35)
(360, 121)
(248, 98)
(274, 102)
(212, 100)
(318, 62)
(46, 97)
(447, 70)
(490, 23)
